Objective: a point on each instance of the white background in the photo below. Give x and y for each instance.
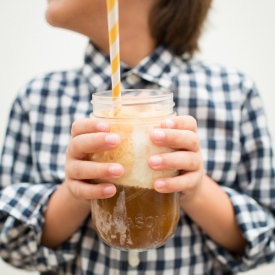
(240, 33)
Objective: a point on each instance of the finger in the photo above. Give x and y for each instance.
(84, 144)
(177, 139)
(88, 125)
(179, 160)
(181, 183)
(180, 122)
(83, 170)
(89, 191)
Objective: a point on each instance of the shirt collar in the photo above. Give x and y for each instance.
(96, 68)
(158, 68)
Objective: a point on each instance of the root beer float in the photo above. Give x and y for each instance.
(137, 217)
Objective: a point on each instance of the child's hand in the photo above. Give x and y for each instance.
(180, 134)
(89, 136)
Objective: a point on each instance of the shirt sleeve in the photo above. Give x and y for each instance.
(23, 200)
(253, 193)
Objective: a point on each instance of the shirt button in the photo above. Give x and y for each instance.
(133, 258)
(132, 79)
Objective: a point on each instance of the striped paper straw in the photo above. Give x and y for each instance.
(113, 29)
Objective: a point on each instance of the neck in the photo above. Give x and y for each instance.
(134, 46)
(136, 41)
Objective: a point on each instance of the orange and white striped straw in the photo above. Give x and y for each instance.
(113, 29)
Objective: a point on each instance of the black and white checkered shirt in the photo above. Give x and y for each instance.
(236, 147)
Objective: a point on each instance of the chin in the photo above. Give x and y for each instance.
(55, 16)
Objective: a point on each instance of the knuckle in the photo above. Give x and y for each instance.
(77, 125)
(73, 168)
(189, 185)
(192, 122)
(67, 171)
(75, 188)
(192, 164)
(195, 144)
(76, 146)
(69, 150)
(74, 143)
(80, 190)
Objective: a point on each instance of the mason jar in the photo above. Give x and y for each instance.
(136, 217)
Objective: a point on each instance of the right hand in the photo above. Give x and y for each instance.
(88, 136)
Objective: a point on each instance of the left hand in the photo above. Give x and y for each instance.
(180, 134)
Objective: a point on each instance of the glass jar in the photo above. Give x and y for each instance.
(137, 217)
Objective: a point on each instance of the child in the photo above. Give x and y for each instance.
(220, 135)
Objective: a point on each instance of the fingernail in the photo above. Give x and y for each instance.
(158, 134)
(115, 170)
(168, 123)
(156, 160)
(112, 139)
(160, 184)
(109, 190)
(102, 126)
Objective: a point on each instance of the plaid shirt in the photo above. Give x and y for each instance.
(235, 143)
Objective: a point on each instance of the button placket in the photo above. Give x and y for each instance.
(133, 258)
(132, 79)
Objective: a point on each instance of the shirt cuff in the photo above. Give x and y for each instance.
(22, 208)
(257, 226)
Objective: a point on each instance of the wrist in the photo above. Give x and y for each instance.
(62, 209)
(212, 210)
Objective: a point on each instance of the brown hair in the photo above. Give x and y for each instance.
(178, 24)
